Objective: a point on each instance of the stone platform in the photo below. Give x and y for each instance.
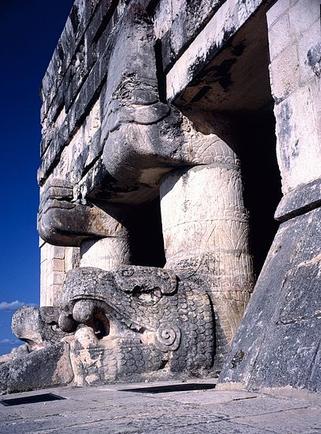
(114, 409)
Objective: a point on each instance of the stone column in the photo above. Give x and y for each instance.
(205, 229)
(112, 250)
(106, 253)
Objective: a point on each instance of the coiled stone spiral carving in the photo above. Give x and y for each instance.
(168, 337)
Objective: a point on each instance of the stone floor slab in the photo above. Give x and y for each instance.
(111, 409)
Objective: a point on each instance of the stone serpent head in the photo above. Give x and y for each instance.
(135, 323)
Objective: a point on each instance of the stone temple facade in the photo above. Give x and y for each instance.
(180, 195)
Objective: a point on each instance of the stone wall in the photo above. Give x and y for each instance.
(278, 342)
(295, 79)
(55, 262)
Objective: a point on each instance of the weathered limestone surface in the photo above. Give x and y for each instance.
(55, 262)
(296, 95)
(210, 241)
(216, 35)
(109, 137)
(117, 409)
(145, 115)
(178, 23)
(37, 326)
(46, 367)
(278, 342)
(105, 253)
(44, 360)
(136, 323)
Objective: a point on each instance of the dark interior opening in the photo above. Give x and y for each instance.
(100, 325)
(146, 236)
(261, 178)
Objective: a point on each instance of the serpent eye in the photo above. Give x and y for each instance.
(147, 297)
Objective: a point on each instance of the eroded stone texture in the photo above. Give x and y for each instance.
(210, 241)
(297, 95)
(278, 342)
(135, 324)
(106, 253)
(37, 326)
(145, 99)
(44, 360)
(218, 34)
(106, 148)
(43, 368)
(55, 261)
(177, 23)
(65, 219)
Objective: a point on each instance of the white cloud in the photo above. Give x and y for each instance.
(13, 305)
(6, 341)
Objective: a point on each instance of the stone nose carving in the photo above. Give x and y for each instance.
(65, 219)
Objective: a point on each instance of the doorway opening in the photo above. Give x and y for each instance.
(261, 179)
(146, 237)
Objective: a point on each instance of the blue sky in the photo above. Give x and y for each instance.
(29, 32)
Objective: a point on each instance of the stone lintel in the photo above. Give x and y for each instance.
(226, 22)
